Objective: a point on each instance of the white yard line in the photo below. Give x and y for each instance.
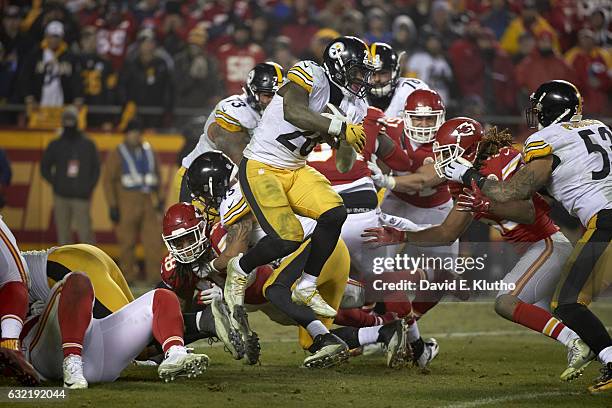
(509, 398)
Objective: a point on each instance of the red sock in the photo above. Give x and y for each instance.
(13, 310)
(540, 320)
(357, 318)
(167, 319)
(74, 312)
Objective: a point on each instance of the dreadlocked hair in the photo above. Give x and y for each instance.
(491, 144)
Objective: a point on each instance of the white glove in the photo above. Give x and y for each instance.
(206, 270)
(207, 296)
(456, 169)
(380, 179)
(37, 308)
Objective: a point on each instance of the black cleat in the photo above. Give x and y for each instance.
(328, 351)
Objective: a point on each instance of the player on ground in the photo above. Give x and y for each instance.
(65, 342)
(14, 282)
(186, 271)
(230, 125)
(525, 223)
(274, 177)
(570, 157)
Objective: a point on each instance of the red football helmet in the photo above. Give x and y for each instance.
(185, 232)
(457, 137)
(421, 107)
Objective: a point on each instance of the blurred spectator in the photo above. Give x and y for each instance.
(593, 66)
(53, 10)
(262, 32)
(222, 14)
(5, 176)
(300, 27)
(196, 74)
(377, 27)
(564, 19)
(99, 79)
(431, 66)
(542, 65)
(419, 12)
(72, 166)
(351, 23)
(529, 20)
(116, 30)
(489, 73)
(331, 13)
(497, 17)
(237, 58)
(281, 53)
(191, 135)
(8, 76)
(50, 75)
(172, 27)
(526, 46)
(404, 34)
(91, 11)
(147, 82)
(146, 9)
(599, 23)
(12, 38)
(439, 22)
(131, 186)
(317, 45)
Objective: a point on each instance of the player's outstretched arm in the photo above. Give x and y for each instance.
(527, 181)
(230, 143)
(424, 177)
(474, 201)
(297, 112)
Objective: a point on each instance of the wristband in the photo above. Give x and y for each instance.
(335, 127)
(390, 182)
(473, 174)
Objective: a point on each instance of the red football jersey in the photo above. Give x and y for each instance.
(112, 42)
(503, 166)
(183, 285)
(422, 154)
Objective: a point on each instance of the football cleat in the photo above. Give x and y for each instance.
(228, 335)
(178, 362)
(430, 351)
(250, 339)
(603, 383)
(16, 364)
(579, 356)
(73, 373)
(398, 349)
(235, 283)
(309, 296)
(328, 351)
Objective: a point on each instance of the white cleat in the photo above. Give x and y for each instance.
(398, 348)
(309, 296)
(180, 363)
(73, 373)
(430, 351)
(235, 283)
(579, 356)
(228, 335)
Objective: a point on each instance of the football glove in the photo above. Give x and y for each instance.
(455, 170)
(473, 200)
(381, 180)
(207, 296)
(385, 235)
(354, 135)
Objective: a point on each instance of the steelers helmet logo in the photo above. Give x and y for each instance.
(336, 50)
(251, 76)
(428, 160)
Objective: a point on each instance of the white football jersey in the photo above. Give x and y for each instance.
(232, 114)
(405, 86)
(234, 206)
(279, 143)
(581, 180)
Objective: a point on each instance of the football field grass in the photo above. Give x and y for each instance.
(484, 361)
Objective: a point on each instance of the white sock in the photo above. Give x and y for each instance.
(566, 336)
(11, 327)
(368, 335)
(605, 355)
(197, 317)
(413, 332)
(315, 328)
(306, 280)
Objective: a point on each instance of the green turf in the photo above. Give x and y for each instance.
(499, 364)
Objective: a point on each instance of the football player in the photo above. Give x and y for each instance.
(64, 341)
(389, 90)
(47, 267)
(230, 125)
(14, 283)
(523, 223)
(570, 157)
(276, 182)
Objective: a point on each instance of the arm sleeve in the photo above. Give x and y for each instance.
(397, 159)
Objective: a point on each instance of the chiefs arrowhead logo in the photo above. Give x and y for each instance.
(463, 130)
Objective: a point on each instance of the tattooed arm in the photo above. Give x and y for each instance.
(527, 181)
(236, 241)
(230, 143)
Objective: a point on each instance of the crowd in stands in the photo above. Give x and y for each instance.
(484, 57)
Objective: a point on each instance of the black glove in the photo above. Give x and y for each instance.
(113, 213)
